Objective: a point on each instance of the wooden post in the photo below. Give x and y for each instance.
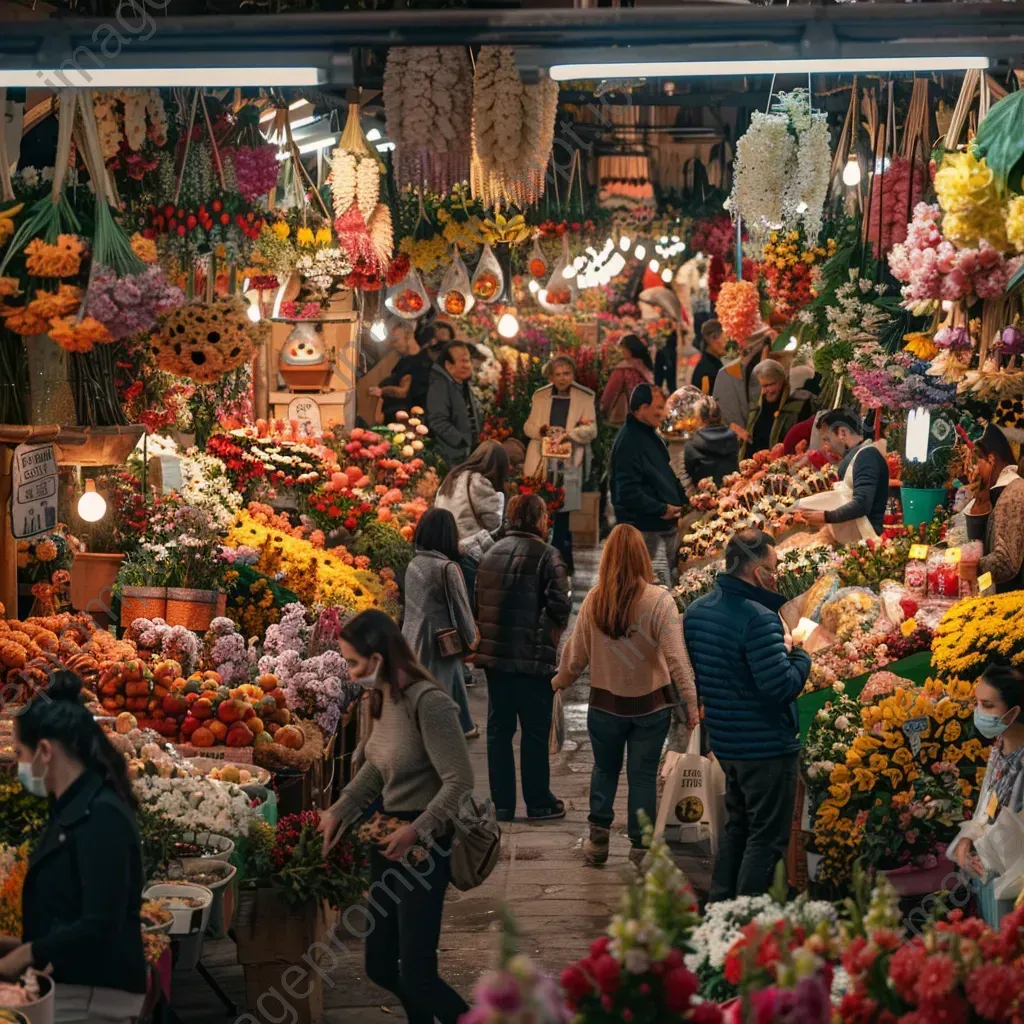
(8, 545)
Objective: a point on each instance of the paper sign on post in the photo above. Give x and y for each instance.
(912, 729)
(985, 583)
(34, 490)
(953, 556)
(918, 552)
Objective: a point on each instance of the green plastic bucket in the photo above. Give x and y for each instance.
(920, 503)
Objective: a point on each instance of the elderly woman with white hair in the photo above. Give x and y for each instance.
(776, 411)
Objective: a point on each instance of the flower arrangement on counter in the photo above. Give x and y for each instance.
(196, 805)
(13, 869)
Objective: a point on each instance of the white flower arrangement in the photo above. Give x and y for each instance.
(367, 186)
(781, 171)
(428, 99)
(382, 234)
(196, 805)
(344, 168)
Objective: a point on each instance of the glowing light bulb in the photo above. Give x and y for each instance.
(253, 313)
(675, 238)
(663, 240)
(851, 172)
(615, 265)
(508, 325)
(534, 287)
(91, 506)
(654, 264)
(379, 331)
(639, 252)
(624, 243)
(666, 275)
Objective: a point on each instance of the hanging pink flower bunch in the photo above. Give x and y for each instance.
(256, 170)
(893, 195)
(354, 238)
(931, 267)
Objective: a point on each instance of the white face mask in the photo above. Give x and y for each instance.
(36, 785)
(370, 681)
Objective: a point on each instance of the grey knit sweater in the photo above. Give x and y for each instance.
(423, 768)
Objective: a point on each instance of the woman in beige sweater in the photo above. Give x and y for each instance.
(629, 632)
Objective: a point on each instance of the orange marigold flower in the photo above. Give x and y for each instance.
(78, 337)
(64, 259)
(24, 322)
(9, 286)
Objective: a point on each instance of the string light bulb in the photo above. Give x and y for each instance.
(639, 252)
(508, 325)
(379, 331)
(654, 265)
(624, 243)
(91, 505)
(851, 172)
(666, 275)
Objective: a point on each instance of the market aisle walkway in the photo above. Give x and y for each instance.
(560, 904)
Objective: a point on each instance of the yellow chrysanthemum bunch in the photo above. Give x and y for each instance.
(977, 631)
(426, 255)
(1015, 223)
(315, 575)
(920, 345)
(969, 197)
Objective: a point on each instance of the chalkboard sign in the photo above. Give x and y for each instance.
(34, 491)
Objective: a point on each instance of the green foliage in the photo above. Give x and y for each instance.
(24, 816)
(384, 546)
(247, 576)
(1000, 138)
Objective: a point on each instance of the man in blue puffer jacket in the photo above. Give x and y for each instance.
(748, 678)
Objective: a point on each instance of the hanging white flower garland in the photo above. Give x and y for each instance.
(781, 171)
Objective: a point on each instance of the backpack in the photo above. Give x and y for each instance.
(476, 844)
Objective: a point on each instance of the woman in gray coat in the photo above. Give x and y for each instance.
(436, 599)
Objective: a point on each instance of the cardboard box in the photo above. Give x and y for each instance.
(585, 524)
(269, 930)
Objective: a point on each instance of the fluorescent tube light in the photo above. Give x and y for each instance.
(89, 77)
(830, 65)
(385, 147)
(373, 135)
(322, 143)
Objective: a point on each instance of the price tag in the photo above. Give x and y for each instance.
(992, 807)
(984, 583)
(953, 556)
(912, 729)
(918, 552)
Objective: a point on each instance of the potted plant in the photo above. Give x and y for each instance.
(142, 586)
(287, 884)
(924, 483)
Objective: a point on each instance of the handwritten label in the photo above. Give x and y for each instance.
(984, 583)
(953, 556)
(918, 552)
(912, 729)
(307, 412)
(34, 491)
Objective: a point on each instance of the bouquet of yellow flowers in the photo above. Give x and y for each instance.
(976, 632)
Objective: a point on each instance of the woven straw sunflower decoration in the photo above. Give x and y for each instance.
(204, 341)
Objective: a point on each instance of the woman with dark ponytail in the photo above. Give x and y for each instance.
(83, 890)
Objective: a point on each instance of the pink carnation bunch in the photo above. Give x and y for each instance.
(256, 170)
(931, 267)
(131, 304)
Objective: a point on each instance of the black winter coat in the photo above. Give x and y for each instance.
(83, 891)
(713, 452)
(643, 481)
(522, 604)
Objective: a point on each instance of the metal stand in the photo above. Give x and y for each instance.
(229, 1006)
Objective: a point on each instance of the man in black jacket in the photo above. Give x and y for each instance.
(646, 493)
(846, 436)
(522, 607)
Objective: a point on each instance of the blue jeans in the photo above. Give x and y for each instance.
(641, 740)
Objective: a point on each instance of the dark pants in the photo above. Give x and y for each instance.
(526, 702)
(641, 740)
(561, 538)
(401, 948)
(759, 798)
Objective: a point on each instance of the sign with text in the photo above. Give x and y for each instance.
(985, 583)
(307, 412)
(34, 490)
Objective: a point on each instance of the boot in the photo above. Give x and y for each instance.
(595, 847)
(637, 856)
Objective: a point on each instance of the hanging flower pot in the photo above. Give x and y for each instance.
(143, 603)
(92, 580)
(303, 362)
(193, 609)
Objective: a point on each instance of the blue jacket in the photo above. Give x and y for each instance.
(746, 679)
(643, 481)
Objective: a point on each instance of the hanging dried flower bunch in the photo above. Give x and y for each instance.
(513, 130)
(428, 99)
(205, 341)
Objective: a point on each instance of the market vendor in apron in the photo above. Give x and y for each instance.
(996, 515)
(855, 508)
(562, 414)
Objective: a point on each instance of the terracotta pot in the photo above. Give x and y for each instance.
(143, 603)
(193, 609)
(92, 577)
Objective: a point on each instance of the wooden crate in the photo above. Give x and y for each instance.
(586, 523)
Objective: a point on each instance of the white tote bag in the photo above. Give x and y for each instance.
(687, 811)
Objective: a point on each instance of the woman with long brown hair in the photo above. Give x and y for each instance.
(416, 759)
(629, 632)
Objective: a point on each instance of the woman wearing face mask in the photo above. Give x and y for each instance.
(985, 847)
(83, 890)
(418, 762)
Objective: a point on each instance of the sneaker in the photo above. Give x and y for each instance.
(552, 813)
(637, 856)
(595, 846)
